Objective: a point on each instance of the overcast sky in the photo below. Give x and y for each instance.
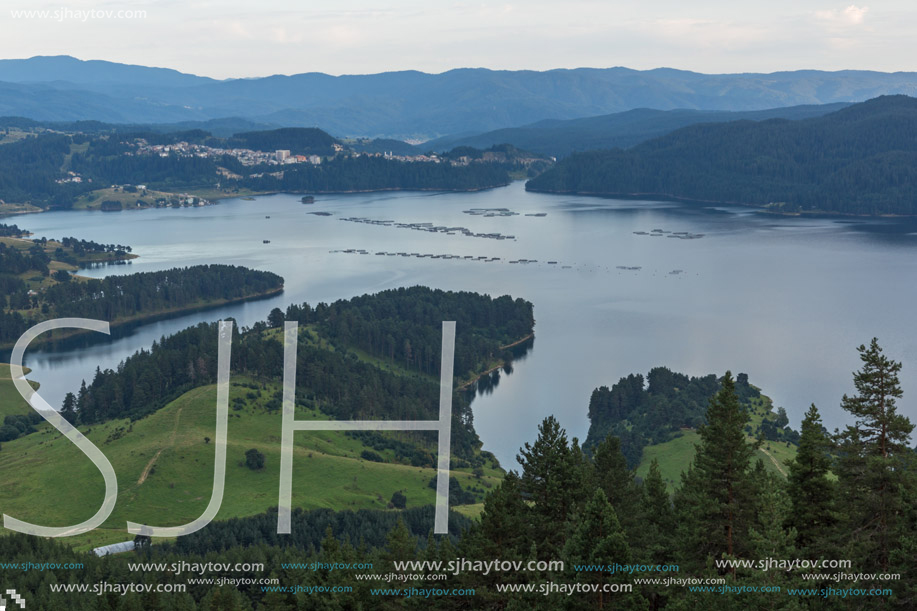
(257, 38)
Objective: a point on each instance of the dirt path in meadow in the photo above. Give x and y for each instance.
(149, 465)
(775, 461)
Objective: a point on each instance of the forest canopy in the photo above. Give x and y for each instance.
(859, 160)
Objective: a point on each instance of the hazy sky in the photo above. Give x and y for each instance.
(257, 38)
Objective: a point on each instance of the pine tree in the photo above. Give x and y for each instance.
(617, 482)
(401, 544)
(768, 537)
(658, 518)
(872, 453)
(504, 523)
(68, 408)
(581, 475)
(810, 489)
(598, 540)
(550, 473)
(504, 531)
(903, 557)
(82, 403)
(715, 504)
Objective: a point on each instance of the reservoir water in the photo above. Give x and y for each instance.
(786, 300)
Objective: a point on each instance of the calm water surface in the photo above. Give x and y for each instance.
(785, 300)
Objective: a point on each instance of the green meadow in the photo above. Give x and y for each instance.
(10, 401)
(676, 454)
(164, 465)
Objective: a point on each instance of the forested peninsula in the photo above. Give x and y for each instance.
(860, 160)
(37, 285)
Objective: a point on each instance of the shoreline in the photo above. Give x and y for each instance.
(517, 342)
(761, 208)
(500, 365)
(147, 318)
(217, 198)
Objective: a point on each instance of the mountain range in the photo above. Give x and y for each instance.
(408, 104)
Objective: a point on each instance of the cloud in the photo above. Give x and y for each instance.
(706, 34)
(851, 16)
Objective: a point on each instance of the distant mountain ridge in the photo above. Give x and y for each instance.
(408, 104)
(220, 128)
(859, 160)
(43, 69)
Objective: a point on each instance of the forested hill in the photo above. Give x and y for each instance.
(859, 160)
(558, 138)
(118, 298)
(372, 357)
(648, 411)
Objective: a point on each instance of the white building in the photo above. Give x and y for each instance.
(114, 548)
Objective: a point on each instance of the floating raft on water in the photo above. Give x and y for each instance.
(490, 212)
(429, 227)
(681, 235)
(417, 255)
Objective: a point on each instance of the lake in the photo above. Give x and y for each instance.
(786, 300)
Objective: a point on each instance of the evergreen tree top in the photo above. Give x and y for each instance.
(881, 428)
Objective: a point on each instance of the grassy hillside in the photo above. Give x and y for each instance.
(165, 468)
(10, 401)
(675, 454)
(155, 421)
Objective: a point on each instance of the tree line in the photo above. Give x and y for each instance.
(373, 538)
(117, 298)
(377, 174)
(404, 326)
(11, 231)
(647, 411)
